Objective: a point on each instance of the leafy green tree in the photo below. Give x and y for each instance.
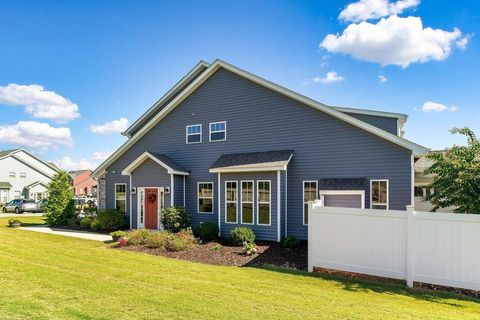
(457, 176)
(60, 207)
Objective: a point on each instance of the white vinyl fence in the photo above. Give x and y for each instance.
(435, 248)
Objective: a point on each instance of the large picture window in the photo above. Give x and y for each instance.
(194, 133)
(263, 202)
(231, 201)
(205, 197)
(120, 197)
(379, 194)
(310, 192)
(246, 209)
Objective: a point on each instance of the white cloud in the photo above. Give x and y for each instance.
(430, 106)
(35, 135)
(462, 43)
(374, 9)
(101, 155)
(330, 77)
(114, 126)
(68, 164)
(382, 78)
(39, 102)
(393, 41)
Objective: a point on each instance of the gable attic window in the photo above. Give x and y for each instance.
(11, 174)
(193, 133)
(218, 131)
(23, 175)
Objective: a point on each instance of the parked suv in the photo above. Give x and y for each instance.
(20, 206)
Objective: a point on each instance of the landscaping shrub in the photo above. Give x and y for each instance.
(138, 237)
(175, 219)
(118, 235)
(207, 231)
(157, 239)
(95, 225)
(290, 242)
(249, 248)
(240, 234)
(86, 222)
(180, 241)
(110, 219)
(60, 206)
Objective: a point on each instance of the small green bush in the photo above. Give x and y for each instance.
(175, 219)
(217, 247)
(180, 241)
(249, 248)
(95, 225)
(207, 231)
(290, 242)
(138, 237)
(239, 235)
(110, 219)
(86, 223)
(157, 239)
(118, 235)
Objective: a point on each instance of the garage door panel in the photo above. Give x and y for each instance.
(343, 200)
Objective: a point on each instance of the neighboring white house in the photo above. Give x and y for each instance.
(23, 175)
(422, 180)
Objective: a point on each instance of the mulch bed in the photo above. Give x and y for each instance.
(269, 253)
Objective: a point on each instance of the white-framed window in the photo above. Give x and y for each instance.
(379, 194)
(218, 131)
(120, 197)
(193, 133)
(11, 174)
(264, 202)
(205, 197)
(231, 202)
(23, 175)
(246, 204)
(310, 193)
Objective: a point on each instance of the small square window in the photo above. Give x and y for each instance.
(218, 131)
(194, 134)
(11, 174)
(23, 175)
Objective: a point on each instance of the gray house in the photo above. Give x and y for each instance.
(238, 150)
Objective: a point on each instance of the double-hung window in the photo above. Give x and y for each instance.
(263, 202)
(379, 194)
(120, 197)
(11, 174)
(310, 192)
(246, 209)
(23, 175)
(205, 197)
(218, 131)
(231, 201)
(193, 133)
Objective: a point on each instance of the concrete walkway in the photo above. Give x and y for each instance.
(70, 233)
(19, 215)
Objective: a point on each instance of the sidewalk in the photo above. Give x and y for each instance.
(70, 233)
(19, 215)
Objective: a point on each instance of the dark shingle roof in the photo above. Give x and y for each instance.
(169, 162)
(76, 173)
(238, 159)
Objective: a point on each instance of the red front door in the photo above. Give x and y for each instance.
(151, 208)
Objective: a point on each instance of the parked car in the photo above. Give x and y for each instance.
(20, 206)
(41, 205)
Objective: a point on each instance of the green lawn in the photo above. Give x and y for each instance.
(54, 277)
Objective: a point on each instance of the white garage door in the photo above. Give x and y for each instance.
(343, 199)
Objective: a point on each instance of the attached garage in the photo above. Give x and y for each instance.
(343, 198)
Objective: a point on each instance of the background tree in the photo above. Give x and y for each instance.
(457, 176)
(60, 206)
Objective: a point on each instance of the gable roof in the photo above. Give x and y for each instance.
(253, 161)
(12, 152)
(4, 153)
(164, 161)
(76, 173)
(31, 185)
(415, 148)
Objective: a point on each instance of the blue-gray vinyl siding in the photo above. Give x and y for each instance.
(388, 124)
(178, 190)
(259, 119)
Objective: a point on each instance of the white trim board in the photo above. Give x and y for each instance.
(147, 155)
(415, 148)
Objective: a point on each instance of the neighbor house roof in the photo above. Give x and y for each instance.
(4, 153)
(5, 185)
(31, 185)
(76, 173)
(12, 152)
(211, 69)
(253, 161)
(164, 161)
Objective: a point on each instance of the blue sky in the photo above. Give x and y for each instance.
(65, 66)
